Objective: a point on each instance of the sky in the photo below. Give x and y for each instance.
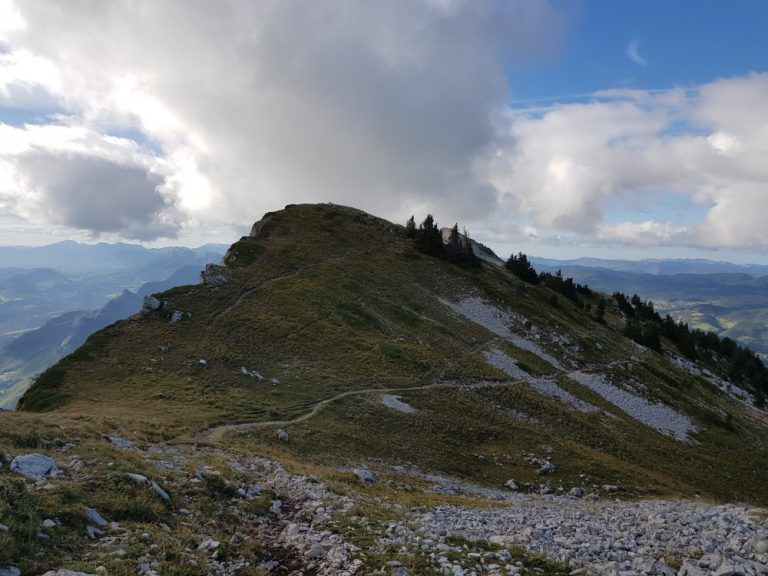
(626, 129)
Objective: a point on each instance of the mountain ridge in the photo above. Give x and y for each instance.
(332, 400)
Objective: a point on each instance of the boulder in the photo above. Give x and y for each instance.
(94, 517)
(546, 468)
(365, 475)
(215, 275)
(283, 436)
(176, 316)
(249, 491)
(610, 488)
(120, 443)
(160, 492)
(150, 304)
(576, 492)
(208, 544)
(512, 485)
(34, 466)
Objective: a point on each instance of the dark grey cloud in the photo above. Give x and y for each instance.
(97, 195)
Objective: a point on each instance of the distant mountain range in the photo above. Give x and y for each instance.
(53, 297)
(70, 256)
(656, 266)
(40, 283)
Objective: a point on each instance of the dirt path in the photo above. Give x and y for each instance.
(217, 432)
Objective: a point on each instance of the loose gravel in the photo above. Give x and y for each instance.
(658, 416)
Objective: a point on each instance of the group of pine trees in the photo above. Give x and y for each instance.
(645, 326)
(521, 267)
(428, 238)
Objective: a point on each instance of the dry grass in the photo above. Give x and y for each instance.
(330, 301)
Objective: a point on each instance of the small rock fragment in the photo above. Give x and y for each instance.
(160, 492)
(546, 468)
(365, 475)
(208, 544)
(511, 484)
(95, 518)
(120, 443)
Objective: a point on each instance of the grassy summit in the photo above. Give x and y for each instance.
(330, 312)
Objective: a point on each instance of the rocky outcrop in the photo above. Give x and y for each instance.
(215, 275)
(480, 250)
(150, 304)
(260, 229)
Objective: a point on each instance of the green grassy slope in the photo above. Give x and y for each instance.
(337, 305)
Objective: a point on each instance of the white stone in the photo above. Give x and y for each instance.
(394, 402)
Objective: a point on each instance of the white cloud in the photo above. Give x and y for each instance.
(566, 168)
(648, 233)
(76, 178)
(397, 107)
(633, 52)
(383, 105)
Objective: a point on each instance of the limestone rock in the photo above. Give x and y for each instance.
(120, 443)
(160, 492)
(511, 484)
(365, 475)
(150, 304)
(94, 517)
(283, 436)
(34, 466)
(546, 468)
(215, 275)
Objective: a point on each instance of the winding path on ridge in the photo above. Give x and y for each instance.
(216, 433)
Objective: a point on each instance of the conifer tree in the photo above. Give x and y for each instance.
(410, 228)
(428, 238)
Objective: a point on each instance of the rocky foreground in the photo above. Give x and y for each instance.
(226, 515)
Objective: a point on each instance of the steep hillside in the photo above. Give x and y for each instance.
(327, 323)
(26, 356)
